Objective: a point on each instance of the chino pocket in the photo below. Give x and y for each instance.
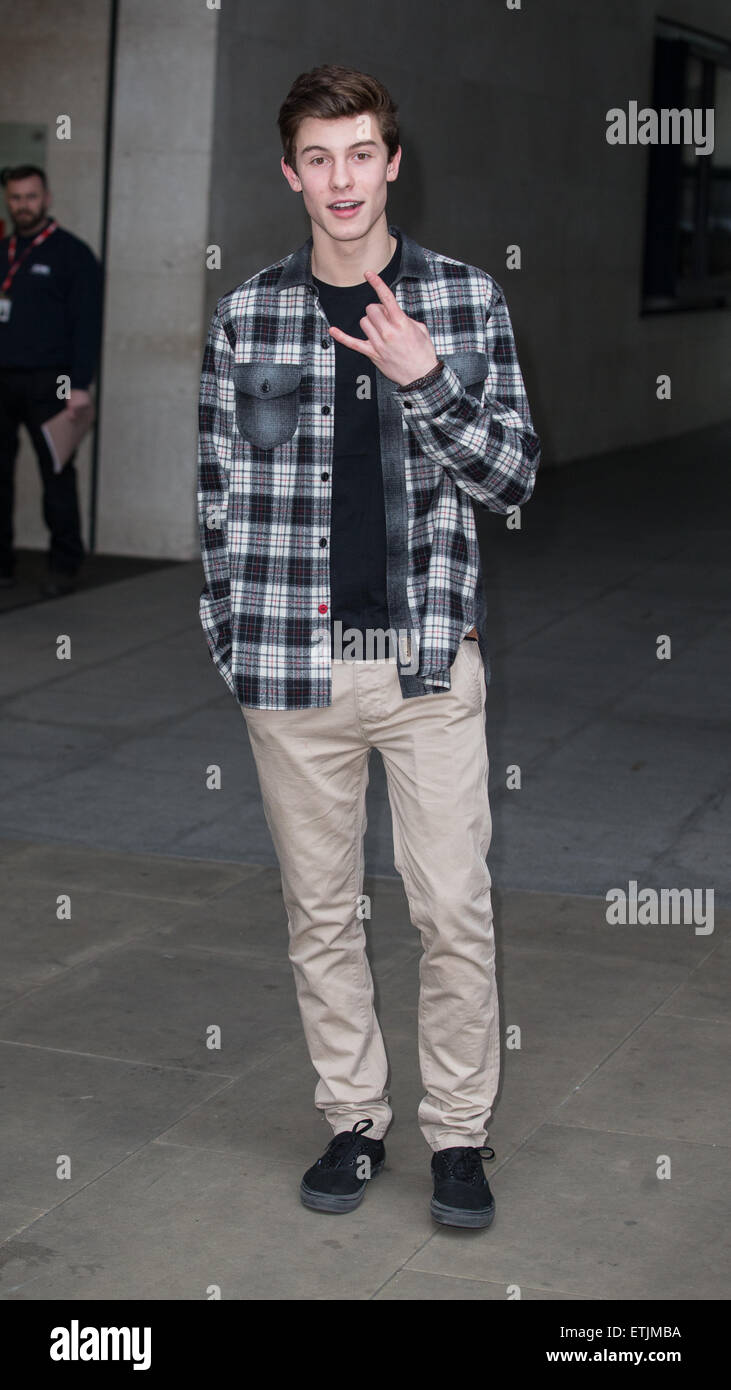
(472, 656)
(267, 402)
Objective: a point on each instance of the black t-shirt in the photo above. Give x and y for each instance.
(358, 597)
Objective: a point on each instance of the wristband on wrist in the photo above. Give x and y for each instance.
(423, 380)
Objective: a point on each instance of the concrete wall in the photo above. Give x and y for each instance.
(503, 131)
(153, 342)
(503, 120)
(55, 62)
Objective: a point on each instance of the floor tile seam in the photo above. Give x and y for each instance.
(657, 1138)
(98, 1177)
(478, 1279)
(79, 666)
(716, 795)
(586, 602)
(124, 1061)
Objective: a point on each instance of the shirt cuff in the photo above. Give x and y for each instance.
(441, 393)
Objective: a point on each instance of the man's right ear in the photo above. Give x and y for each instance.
(291, 176)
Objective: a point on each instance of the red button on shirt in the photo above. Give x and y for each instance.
(322, 608)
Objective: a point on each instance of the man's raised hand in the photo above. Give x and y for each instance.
(400, 347)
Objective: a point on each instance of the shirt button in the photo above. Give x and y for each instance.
(322, 608)
(325, 342)
(326, 410)
(324, 477)
(323, 541)
(407, 405)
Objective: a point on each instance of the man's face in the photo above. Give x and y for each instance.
(27, 202)
(340, 161)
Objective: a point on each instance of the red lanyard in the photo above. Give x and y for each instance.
(14, 266)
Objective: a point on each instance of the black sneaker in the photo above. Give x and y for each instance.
(462, 1195)
(337, 1182)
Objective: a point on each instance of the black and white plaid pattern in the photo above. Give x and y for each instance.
(265, 463)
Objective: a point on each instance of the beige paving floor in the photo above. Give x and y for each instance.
(182, 1164)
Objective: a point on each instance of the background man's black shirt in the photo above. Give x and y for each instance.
(358, 521)
(55, 319)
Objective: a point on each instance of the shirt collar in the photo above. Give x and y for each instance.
(298, 269)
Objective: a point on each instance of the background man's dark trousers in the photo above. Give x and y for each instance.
(28, 397)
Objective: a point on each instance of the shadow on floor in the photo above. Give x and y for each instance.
(31, 568)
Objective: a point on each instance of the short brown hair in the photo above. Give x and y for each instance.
(22, 171)
(331, 91)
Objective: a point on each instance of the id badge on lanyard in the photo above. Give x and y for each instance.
(14, 266)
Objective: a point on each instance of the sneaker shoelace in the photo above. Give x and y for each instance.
(341, 1144)
(466, 1164)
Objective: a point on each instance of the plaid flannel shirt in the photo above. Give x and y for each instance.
(266, 424)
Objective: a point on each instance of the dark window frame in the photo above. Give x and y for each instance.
(677, 277)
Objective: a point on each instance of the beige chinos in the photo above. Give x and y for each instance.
(312, 766)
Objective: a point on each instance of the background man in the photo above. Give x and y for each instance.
(50, 323)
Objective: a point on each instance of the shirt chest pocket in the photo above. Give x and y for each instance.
(472, 368)
(267, 401)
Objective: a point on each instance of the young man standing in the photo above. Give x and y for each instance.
(357, 398)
